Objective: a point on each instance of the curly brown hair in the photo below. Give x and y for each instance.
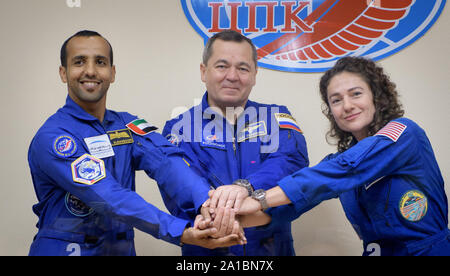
(385, 97)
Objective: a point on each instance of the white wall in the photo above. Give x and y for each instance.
(157, 54)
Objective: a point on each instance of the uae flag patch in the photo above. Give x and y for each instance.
(141, 127)
(393, 130)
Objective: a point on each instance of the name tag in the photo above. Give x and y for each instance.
(252, 131)
(120, 137)
(99, 146)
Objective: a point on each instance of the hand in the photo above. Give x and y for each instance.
(249, 206)
(202, 223)
(203, 238)
(225, 221)
(204, 220)
(230, 196)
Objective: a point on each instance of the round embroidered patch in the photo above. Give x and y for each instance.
(64, 146)
(413, 205)
(77, 207)
(173, 139)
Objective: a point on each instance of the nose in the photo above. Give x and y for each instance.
(90, 69)
(232, 74)
(347, 104)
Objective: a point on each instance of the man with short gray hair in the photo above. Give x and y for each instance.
(241, 147)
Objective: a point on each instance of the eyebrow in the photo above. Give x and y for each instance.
(85, 57)
(226, 62)
(349, 90)
(354, 88)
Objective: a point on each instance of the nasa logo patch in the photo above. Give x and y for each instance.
(64, 146)
(309, 36)
(413, 205)
(88, 169)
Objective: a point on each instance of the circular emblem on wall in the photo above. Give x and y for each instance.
(310, 35)
(413, 205)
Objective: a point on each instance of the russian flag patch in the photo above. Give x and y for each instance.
(287, 121)
(393, 130)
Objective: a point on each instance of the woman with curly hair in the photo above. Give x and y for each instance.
(384, 173)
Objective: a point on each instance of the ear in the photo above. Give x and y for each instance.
(203, 72)
(113, 73)
(63, 74)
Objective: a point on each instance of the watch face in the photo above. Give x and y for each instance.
(259, 193)
(243, 181)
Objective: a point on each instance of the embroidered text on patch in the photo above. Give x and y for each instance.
(120, 137)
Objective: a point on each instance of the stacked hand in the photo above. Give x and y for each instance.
(230, 196)
(223, 216)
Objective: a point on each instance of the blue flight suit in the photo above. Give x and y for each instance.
(256, 149)
(88, 205)
(390, 187)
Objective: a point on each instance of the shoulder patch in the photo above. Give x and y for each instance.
(141, 127)
(287, 121)
(88, 169)
(393, 130)
(64, 146)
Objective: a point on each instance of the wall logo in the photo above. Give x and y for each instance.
(73, 3)
(309, 36)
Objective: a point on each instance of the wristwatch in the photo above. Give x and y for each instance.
(260, 195)
(246, 184)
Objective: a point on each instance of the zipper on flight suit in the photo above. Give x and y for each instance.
(234, 137)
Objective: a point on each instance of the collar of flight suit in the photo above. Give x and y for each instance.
(206, 109)
(74, 110)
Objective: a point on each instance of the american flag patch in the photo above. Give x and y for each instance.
(393, 130)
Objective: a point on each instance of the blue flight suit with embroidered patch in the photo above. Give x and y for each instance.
(256, 149)
(97, 217)
(391, 189)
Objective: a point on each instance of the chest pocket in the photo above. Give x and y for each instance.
(214, 165)
(375, 198)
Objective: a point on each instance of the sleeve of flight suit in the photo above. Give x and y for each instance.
(368, 160)
(180, 186)
(178, 138)
(106, 196)
(291, 156)
(287, 213)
